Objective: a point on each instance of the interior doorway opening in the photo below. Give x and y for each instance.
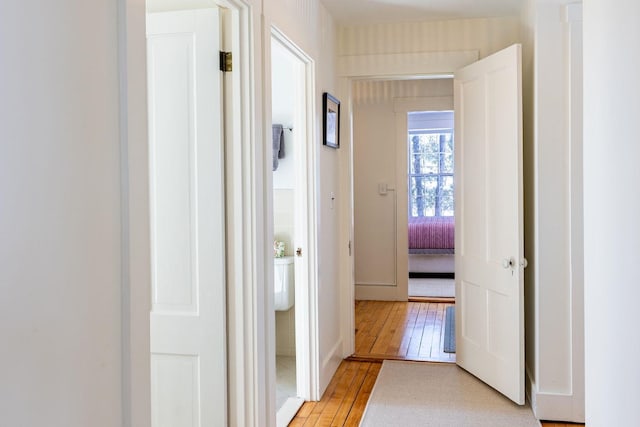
(489, 314)
(403, 189)
(293, 185)
(431, 205)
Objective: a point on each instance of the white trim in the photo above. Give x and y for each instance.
(400, 214)
(377, 293)
(334, 358)
(247, 319)
(572, 12)
(553, 406)
(346, 265)
(246, 355)
(306, 295)
(136, 259)
(376, 284)
(288, 411)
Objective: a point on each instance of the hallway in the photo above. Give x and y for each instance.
(384, 330)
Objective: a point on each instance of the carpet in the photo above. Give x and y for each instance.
(412, 394)
(449, 345)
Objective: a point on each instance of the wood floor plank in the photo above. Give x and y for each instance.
(396, 331)
(397, 325)
(329, 410)
(409, 326)
(401, 331)
(350, 372)
(306, 409)
(428, 331)
(386, 330)
(355, 415)
(347, 403)
(413, 351)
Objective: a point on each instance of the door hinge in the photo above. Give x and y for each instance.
(226, 61)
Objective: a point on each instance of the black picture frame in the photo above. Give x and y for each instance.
(330, 121)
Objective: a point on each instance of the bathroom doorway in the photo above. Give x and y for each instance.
(293, 225)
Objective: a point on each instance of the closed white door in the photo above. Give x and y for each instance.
(489, 222)
(188, 345)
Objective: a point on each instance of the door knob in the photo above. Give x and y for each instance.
(508, 263)
(299, 252)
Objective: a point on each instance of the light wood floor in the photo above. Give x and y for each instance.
(401, 331)
(385, 330)
(346, 396)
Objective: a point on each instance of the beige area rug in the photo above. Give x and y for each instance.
(410, 394)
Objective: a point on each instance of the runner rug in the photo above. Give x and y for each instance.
(412, 394)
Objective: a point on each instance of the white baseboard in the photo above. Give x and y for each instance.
(329, 366)
(377, 293)
(554, 406)
(288, 411)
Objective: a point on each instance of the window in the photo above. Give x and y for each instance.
(430, 168)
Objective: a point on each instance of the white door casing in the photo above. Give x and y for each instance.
(305, 221)
(489, 260)
(188, 328)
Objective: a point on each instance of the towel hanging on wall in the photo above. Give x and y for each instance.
(281, 150)
(277, 132)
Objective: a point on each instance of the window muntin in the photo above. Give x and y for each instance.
(431, 166)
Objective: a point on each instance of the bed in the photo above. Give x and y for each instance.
(431, 235)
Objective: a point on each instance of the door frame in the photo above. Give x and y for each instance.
(248, 317)
(306, 297)
(385, 66)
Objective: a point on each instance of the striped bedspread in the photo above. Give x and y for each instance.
(431, 233)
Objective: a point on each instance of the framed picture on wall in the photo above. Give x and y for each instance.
(330, 121)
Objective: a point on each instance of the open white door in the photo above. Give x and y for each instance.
(188, 344)
(489, 222)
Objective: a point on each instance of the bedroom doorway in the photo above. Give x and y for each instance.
(403, 185)
(430, 205)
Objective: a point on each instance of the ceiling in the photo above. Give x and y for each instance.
(380, 11)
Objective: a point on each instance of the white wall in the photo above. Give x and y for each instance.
(282, 103)
(284, 179)
(487, 35)
(552, 172)
(65, 279)
(553, 209)
(611, 177)
(283, 89)
(60, 250)
(440, 44)
(309, 26)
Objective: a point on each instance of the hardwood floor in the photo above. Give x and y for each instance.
(384, 330)
(344, 400)
(401, 331)
(346, 396)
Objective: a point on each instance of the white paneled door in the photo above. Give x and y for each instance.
(188, 344)
(489, 222)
